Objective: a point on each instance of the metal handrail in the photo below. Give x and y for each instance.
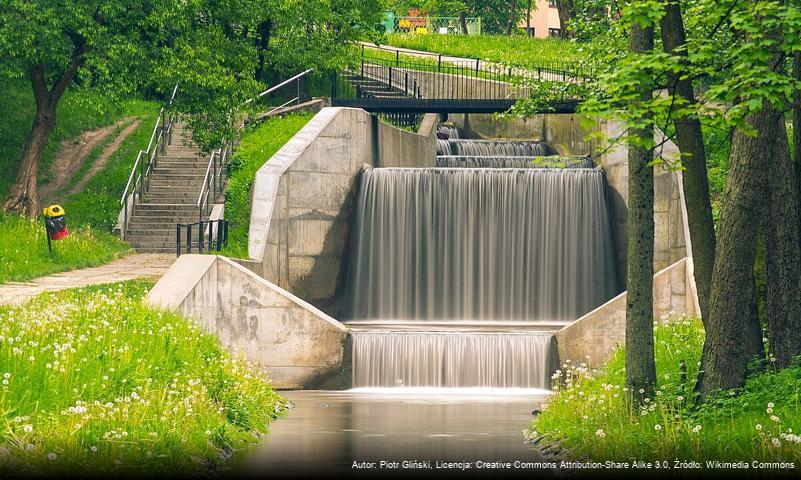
(276, 87)
(212, 180)
(159, 139)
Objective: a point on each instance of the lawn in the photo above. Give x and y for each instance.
(24, 255)
(94, 381)
(514, 50)
(76, 114)
(98, 205)
(258, 144)
(591, 415)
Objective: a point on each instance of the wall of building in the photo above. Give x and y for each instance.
(302, 198)
(297, 345)
(542, 18)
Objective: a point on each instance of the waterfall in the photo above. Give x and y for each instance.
(448, 131)
(481, 245)
(448, 360)
(465, 161)
(476, 148)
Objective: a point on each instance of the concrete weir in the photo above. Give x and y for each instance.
(282, 307)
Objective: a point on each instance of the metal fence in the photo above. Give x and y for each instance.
(202, 236)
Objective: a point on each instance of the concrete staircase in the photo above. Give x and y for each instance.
(373, 88)
(171, 197)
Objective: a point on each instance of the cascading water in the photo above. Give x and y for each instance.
(446, 360)
(480, 248)
(483, 148)
(464, 161)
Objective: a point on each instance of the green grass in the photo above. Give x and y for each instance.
(94, 381)
(515, 50)
(98, 205)
(23, 249)
(593, 418)
(258, 144)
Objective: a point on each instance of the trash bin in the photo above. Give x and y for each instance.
(55, 224)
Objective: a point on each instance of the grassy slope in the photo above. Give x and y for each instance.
(258, 144)
(104, 383)
(99, 203)
(23, 249)
(90, 214)
(590, 417)
(515, 50)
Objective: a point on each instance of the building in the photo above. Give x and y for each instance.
(544, 21)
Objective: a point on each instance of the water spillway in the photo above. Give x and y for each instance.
(471, 147)
(481, 244)
(449, 360)
(467, 161)
(458, 275)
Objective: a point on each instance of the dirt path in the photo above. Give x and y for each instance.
(101, 161)
(72, 155)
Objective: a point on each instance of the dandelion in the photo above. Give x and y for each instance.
(776, 442)
(770, 405)
(657, 427)
(759, 427)
(696, 428)
(600, 433)
(52, 456)
(680, 398)
(642, 390)
(774, 418)
(27, 428)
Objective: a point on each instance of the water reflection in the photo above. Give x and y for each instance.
(330, 430)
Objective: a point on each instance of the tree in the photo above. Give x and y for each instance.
(640, 366)
(50, 42)
(690, 140)
(566, 12)
(513, 16)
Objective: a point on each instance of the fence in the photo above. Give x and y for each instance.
(210, 236)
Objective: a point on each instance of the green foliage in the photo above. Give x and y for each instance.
(516, 51)
(494, 13)
(257, 145)
(96, 381)
(23, 249)
(76, 114)
(593, 416)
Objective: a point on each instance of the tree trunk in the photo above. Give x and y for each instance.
(797, 128)
(463, 22)
(528, 19)
(262, 46)
(783, 290)
(512, 17)
(690, 141)
(728, 335)
(23, 197)
(565, 9)
(640, 368)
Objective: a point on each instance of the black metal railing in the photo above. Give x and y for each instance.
(202, 236)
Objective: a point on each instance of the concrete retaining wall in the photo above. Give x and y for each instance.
(302, 198)
(594, 337)
(297, 345)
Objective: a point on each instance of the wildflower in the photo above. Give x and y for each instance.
(27, 428)
(642, 390)
(600, 433)
(657, 427)
(759, 427)
(680, 398)
(770, 405)
(774, 418)
(30, 447)
(696, 428)
(776, 442)
(52, 456)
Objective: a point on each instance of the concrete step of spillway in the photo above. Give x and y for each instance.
(423, 326)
